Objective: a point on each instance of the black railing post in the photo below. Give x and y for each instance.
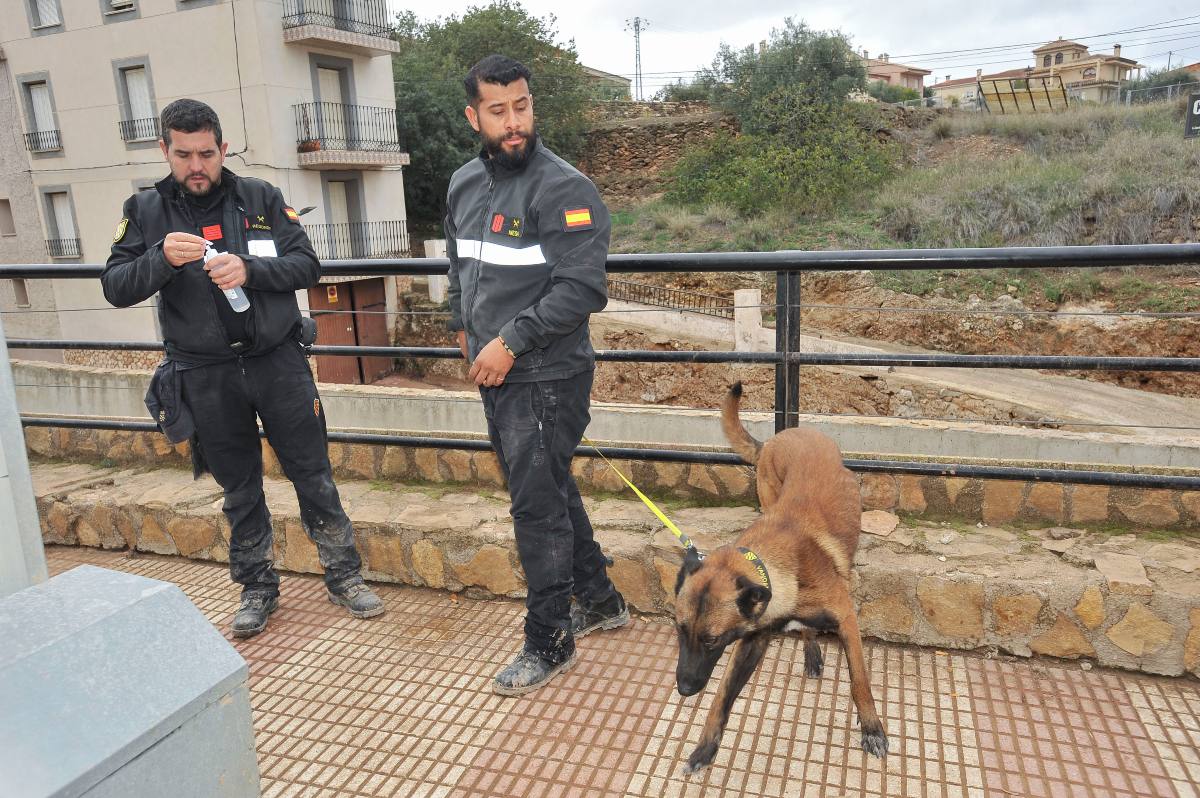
(787, 341)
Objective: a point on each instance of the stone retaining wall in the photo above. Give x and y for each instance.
(1115, 600)
(972, 500)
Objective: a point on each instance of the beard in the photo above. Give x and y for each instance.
(514, 159)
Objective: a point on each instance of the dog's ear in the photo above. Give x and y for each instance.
(691, 564)
(752, 598)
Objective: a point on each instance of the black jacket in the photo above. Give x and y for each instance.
(254, 211)
(527, 254)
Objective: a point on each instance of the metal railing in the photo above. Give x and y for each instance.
(139, 129)
(1157, 93)
(43, 141)
(359, 239)
(673, 298)
(368, 17)
(63, 247)
(334, 126)
(787, 358)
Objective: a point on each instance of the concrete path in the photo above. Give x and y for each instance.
(1041, 394)
(401, 706)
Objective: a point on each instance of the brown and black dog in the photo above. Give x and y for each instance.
(790, 570)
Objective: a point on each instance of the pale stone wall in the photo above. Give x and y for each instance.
(973, 500)
(1115, 600)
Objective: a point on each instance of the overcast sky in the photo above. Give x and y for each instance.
(682, 35)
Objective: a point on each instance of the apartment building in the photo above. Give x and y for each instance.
(305, 95)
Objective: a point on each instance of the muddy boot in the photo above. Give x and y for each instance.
(529, 671)
(611, 613)
(360, 600)
(251, 617)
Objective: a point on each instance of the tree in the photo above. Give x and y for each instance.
(885, 92)
(818, 64)
(429, 69)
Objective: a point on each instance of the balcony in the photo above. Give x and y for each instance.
(139, 129)
(356, 240)
(63, 247)
(336, 136)
(356, 26)
(43, 141)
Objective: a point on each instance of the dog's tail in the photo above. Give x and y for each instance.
(735, 431)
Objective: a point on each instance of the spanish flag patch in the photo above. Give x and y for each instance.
(291, 214)
(578, 218)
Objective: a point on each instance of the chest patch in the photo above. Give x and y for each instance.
(497, 223)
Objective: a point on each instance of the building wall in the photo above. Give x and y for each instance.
(190, 51)
(26, 244)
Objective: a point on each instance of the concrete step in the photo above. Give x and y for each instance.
(1119, 600)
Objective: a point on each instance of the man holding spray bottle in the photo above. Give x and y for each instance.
(226, 255)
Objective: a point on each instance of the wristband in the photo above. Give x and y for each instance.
(511, 353)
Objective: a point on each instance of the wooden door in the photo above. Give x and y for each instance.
(335, 329)
(372, 326)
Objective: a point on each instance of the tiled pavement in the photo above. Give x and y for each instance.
(401, 706)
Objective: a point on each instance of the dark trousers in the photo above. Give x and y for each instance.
(535, 427)
(224, 399)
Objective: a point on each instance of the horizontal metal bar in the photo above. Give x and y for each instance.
(1056, 475)
(787, 260)
(1053, 362)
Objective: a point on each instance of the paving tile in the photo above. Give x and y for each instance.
(401, 706)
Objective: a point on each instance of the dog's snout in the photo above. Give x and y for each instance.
(688, 688)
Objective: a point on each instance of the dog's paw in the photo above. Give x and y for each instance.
(701, 758)
(814, 660)
(874, 741)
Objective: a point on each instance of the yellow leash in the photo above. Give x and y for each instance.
(684, 540)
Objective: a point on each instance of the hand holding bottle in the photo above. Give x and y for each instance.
(228, 271)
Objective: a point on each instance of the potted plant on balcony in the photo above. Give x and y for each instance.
(308, 145)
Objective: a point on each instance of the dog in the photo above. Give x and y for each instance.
(788, 571)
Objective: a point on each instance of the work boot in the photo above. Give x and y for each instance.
(360, 600)
(251, 617)
(529, 671)
(611, 613)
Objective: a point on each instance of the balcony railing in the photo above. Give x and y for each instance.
(359, 239)
(139, 129)
(43, 141)
(333, 126)
(369, 17)
(63, 247)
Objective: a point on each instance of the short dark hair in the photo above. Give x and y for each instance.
(189, 116)
(498, 69)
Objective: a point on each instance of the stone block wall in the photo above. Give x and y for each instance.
(972, 500)
(111, 358)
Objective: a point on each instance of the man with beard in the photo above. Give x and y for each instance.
(527, 236)
(226, 255)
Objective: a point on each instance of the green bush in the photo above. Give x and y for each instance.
(888, 93)
(814, 169)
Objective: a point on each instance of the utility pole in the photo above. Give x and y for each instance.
(637, 25)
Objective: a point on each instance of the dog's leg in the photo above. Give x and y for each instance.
(874, 741)
(747, 656)
(814, 660)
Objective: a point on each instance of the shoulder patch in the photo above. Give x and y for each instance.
(291, 214)
(579, 218)
(122, 226)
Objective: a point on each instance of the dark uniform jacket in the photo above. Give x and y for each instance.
(527, 254)
(257, 225)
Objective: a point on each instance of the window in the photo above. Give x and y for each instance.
(43, 134)
(1089, 73)
(141, 123)
(1058, 58)
(1046, 61)
(115, 6)
(45, 13)
(7, 226)
(63, 241)
(20, 293)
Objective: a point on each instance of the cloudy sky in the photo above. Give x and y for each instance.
(949, 38)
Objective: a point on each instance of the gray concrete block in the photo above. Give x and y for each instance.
(114, 684)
